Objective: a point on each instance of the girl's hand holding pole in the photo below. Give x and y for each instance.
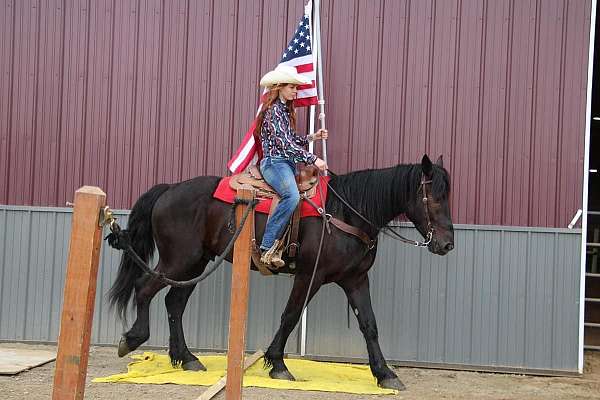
(320, 134)
(322, 165)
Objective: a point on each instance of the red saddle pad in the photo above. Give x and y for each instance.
(227, 194)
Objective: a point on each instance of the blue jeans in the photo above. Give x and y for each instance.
(280, 174)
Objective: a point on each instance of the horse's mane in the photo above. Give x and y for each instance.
(380, 195)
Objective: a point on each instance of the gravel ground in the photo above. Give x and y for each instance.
(422, 384)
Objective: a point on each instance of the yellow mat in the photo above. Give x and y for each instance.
(310, 375)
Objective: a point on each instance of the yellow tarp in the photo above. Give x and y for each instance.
(310, 375)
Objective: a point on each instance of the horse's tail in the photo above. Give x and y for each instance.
(139, 235)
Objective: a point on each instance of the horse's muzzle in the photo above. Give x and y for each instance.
(441, 247)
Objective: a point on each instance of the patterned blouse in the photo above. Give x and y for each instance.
(279, 139)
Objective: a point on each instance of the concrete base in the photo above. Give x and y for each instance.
(13, 361)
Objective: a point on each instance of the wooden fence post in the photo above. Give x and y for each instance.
(238, 310)
(79, 295)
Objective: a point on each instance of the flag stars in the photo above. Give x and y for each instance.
(300, 43)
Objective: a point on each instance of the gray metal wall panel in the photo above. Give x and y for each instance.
(34, 245)
(512, 308)
(126, 94)
(37, 317)
(503, 297)
(485, 298)
(459, 300)
(35, 248)
(61, 247)
(14, 278)
(563, 318)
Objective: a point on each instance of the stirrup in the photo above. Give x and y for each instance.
(273, 255)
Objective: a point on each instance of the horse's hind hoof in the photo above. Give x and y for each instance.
(392, 383)
(283, 375)
(193, 365)
(123, 347)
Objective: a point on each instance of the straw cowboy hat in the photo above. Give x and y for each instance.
(283, 74)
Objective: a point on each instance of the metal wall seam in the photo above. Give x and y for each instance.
(7, 34)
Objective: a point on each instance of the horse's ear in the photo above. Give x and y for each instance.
(427, 166)
(440, 161)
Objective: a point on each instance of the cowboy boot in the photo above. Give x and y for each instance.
(277, 259)
(255, 254)
(273, 255)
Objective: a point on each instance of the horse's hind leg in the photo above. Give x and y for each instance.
(176, 300)
(145, 289)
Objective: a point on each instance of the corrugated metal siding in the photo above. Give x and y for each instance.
(505, 297)
(34, 245)
(127, 94)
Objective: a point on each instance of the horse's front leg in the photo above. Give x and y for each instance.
(359, 296)
(176, 300)
(274, 355)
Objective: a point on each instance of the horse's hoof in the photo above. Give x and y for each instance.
(392, 383)
(193, 365)
(283, 375)
(123, 347)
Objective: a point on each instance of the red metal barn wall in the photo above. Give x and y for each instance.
(126, 94)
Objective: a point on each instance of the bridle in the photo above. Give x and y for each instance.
(430, 229)
(388, 230)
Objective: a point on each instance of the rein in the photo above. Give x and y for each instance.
(388, 230)
(120, 240)
(324, 224)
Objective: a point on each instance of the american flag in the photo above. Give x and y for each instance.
(298, 54)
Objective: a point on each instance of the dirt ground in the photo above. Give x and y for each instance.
(422, 384)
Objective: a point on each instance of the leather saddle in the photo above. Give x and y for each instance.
(307, 181)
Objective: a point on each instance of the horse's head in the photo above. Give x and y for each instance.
(428, 209)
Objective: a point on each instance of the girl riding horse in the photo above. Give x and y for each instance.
(281, 149)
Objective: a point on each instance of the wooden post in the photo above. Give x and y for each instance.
(79, 295)
(217, 387)
(238, 310)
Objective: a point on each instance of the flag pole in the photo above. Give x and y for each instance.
(320, 73)
(313, 30)
(311, 128)
(311, 118)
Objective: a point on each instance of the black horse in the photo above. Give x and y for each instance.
(189, 228)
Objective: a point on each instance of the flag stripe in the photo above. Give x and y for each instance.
(246, 151)
(298, 60)
(305, 95)
(305, 68)
(310, 101)
(245, 155)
